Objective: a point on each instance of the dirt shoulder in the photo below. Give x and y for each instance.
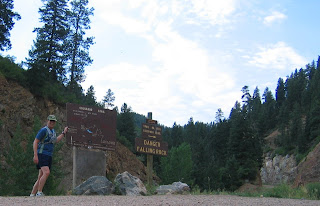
(153, 200)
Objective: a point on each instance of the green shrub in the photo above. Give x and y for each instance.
(11, 70)
(280, 151)
(300, 157)
(313, 190)
(123, 140)
(284, 191)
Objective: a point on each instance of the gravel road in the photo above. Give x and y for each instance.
(153, 200)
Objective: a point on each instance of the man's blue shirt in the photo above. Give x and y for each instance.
(45, 146)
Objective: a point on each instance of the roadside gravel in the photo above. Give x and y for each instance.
(184, 200)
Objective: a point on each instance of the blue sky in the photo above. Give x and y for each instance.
(187, 58)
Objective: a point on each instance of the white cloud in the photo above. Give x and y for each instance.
(142, 16)
(277, 56)
(184, 78)
(274, 17)
(214, 11)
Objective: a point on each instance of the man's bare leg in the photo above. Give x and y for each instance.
(45, 174)
(36, 184)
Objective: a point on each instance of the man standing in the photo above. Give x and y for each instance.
(43, 146)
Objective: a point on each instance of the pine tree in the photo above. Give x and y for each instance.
(7, 17)
(125, 123)
(295, 86)
(76, 44)
(315, 86)
(280, 94)
(109, 99)
(176, 135)
(255, 111)
(229, 175)
(243, 145)
(90, 98)
(246, 98)
(296, 137)
(219, 116)
(190, 132)
(199, 158)
(47, 56)
(177, 166)
(268, 113)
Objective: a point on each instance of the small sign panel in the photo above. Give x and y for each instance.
(151, 121)
(153, 147)
(91, 127)
(151, 131)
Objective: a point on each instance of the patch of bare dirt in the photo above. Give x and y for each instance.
(309, 168)
(270, 139)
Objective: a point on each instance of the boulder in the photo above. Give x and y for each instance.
(175, 188)
(95, 185)
(129, 184)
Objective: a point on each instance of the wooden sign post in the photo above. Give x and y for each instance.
(149, 161)
(151, 144)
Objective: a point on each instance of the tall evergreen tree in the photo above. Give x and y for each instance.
(268, 113)
(190, 132)
(125, 123)
(243, 145)
(47, 56)
(177, 166)
(109, 99)
(312, 129)
(307, 93)
(295, 137)
(90, 98)
(7, 17)
(315, 86)
(176, 135)
(295, 86)
(255, 111)
(280, 93)
(216, 155)
(246, 98)
(219, 116)
(76, 44)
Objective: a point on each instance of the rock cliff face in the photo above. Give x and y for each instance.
(278, 169)
(19, 106)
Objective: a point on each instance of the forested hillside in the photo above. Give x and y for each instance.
(228, 151)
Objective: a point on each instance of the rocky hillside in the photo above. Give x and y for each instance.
(279, 169)
(19, 106)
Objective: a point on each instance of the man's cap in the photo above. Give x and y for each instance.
(52, 118)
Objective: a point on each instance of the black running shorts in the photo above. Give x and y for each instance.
(44, 160)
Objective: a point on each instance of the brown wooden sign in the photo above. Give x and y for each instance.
(151, 131)
(153, 147)
(91, 127)
(151, 121)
